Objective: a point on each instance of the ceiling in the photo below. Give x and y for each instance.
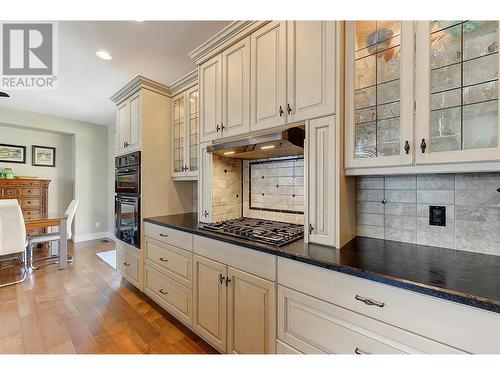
(156, 50)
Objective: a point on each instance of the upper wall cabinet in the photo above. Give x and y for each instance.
(457, 91)
(293, 72)
(210, 80)
(185, 135)
(311, 69)
(128, 127)
(379, 93)
(269, 76)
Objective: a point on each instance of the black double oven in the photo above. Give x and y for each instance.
(128, 198)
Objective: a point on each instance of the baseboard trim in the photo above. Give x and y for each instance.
(90, 236)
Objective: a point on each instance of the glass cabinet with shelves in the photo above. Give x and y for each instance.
(457, 91)
(185, 127)
(378, 93)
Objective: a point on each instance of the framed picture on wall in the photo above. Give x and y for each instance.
(43, 156)
(12, 154)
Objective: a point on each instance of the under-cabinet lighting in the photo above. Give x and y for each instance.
(267, 147)
(229, 153)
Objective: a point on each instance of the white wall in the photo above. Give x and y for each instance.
(91, 166)
(61, 176)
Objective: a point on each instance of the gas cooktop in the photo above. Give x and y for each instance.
(265, 231)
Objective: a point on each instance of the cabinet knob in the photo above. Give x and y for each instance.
(205, 213)
(289, 109)
(217, 128)
(221, 278)
(311, 228)
(163, 259)
(228, 280)
(222, 126)
(407, 147)
(126, 144)
(126, 264)
(281, 111)
(423, 146)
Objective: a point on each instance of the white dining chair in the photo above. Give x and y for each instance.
(13, 236)
(52, 237)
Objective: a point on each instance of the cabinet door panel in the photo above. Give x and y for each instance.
(205, 186)
(210, 302)
(379, 93)
(251, 314)
(268, 79)
(210, 77)
(178, 134)
(458, 70)
(192, 130)
(311, 69)
(236, 88)
(321, 179)
(121, 126)
(134, 128)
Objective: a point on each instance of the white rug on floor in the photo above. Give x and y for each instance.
(108, 257)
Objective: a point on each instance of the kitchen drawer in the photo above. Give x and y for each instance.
(282, 348)
(466, 328)
(129, 266)
(30, 192)
(314, 326)
(242, 258)
(30, 202)
(10, 192)
(175, 298)
(32, 215)
(171, 236)
(170, 260)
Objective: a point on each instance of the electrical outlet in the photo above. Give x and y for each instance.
(97, 225)
(437, 215)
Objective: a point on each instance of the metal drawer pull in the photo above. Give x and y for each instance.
(359, 351)
(163, 235)
(369, 302)
(162, 291)
(163, 259)
(221, 278)
(126, 264)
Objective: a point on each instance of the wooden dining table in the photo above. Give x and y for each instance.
(52, 220)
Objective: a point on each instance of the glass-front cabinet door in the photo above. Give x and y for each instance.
(185, 125)
(457, 91)
(379, 93)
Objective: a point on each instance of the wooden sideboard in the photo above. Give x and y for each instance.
(32, 194)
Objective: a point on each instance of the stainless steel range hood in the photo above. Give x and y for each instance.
(289, 142)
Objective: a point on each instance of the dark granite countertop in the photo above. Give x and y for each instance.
(469, 278)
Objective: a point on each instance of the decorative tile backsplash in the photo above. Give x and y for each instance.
(274, 189)
(226, 188)
(472, 210)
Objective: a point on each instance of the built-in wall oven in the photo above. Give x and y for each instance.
(128, 198)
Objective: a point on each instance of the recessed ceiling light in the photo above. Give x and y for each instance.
(103, 55)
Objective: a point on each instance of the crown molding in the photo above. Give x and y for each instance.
(185, 82)
(224, 38)
(137, 83)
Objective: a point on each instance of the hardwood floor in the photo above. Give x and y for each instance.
(87, 308)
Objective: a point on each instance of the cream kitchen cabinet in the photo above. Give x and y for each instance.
(210, 80)
(321, 172)
(450, 116)
(457, 92)
(128, 125)
(293, 72)
(205, 186)
(226, 80)
(185, 125)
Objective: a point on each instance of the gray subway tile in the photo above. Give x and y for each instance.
(471, 213)
(403, 209)
(486, 198)
(400, 182)
(370, 231)
(436, 181)
(478, 230)
(423, 226)
(370, 195)
(477, 181)
(436, 196)
(370, 207)
(401, 222)
(401, 235)
(370, 182)
(400, 196)
(370, 219)
(436, 239)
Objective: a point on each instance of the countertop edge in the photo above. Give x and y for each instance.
(429, 290)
